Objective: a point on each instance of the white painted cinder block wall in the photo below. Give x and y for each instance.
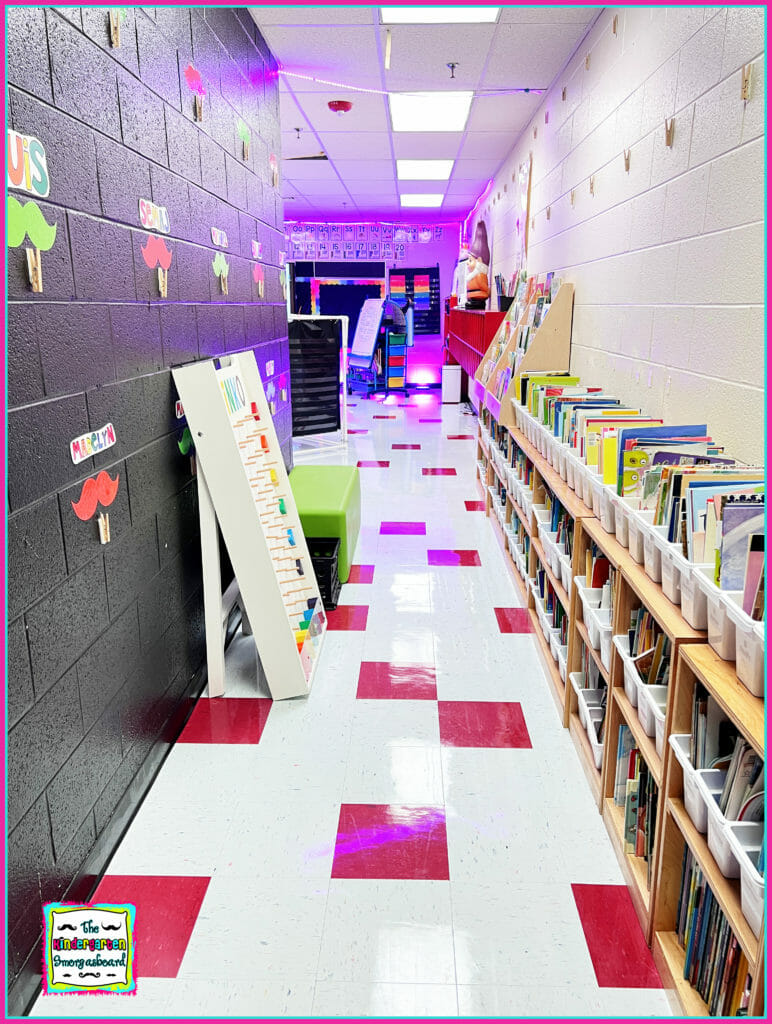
(668, 259)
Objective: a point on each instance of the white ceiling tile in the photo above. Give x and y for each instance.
(323, 188)
(486, 145)
(528, 56)
(306, 145)
(478, 169)
(309, 170)
(433, 146)
(421, 186)
(358, 146)
(348, 56)
(503, 113)
(420, 54)
(337, 14)
(549, 15)
(367, 114)
(365, 170)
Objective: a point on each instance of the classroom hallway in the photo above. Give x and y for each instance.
(416, 838)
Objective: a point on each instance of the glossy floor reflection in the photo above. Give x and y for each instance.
(415, 838)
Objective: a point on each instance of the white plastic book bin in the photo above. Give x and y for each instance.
(596, 714)
(694, 600)
(650, 700)
(637, 524)
(749, 646)
(745, 838)
(590, 598)
(587, 474)
(607, 508)
(671, 572)
(694, 803)
(577, 681)
(570, 469)
(653, 538)
(632, 679)
(562, 660)
(565, 572)
(588, 699)
(718, 835)
(596, 482)
(721, 629)
(622, 508)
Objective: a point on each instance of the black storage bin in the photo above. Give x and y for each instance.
(324, 558)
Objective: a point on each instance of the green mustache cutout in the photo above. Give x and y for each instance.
(220, 265)
(28, 220)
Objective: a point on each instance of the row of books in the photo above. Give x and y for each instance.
(594, 681)
(711, 505)
(649, 648)
(715, 965)
(561, 523)
(600, 575)
(556, 613)
(636, 791)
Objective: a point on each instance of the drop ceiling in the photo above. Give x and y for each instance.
(526, 48)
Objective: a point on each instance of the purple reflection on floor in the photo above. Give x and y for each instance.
(391, 841)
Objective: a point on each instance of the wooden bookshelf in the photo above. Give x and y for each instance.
(654, 892)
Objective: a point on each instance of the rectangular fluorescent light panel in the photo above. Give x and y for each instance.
(424, 170)
(418, 199)
(429, 111)
(438, 15)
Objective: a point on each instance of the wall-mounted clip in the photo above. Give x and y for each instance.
(163, 282)
(115, 28)
(669, 132)
(626, 155)
(615, 24)
(572, 197)
(563, 94)
(198, 107)
(224, 283)
(103, 521)
(546, 117)
(548, 212)
(245, 149)
(592, 184)
(745, 82)
(535, 131)
(34, 269)
(587, 62)
(533, 223)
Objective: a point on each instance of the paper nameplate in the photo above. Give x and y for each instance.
(219, 238)
(154, 218)
(257, 249)
(86, 445)
(26, 164)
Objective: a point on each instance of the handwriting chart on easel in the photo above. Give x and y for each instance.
(240, 459)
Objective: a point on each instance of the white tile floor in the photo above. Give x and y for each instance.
(503, 936)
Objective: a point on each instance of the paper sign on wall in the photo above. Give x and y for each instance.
(219, 238)
(154, 218)
(86, 445)
(26, 164)
(257, 249)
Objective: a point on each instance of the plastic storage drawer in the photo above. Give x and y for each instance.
(745, 838)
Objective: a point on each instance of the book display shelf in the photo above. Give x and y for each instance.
(626, 716)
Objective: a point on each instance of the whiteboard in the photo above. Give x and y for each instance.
(366, 334)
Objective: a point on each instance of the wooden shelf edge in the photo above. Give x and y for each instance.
(634, 872)
(669, 959)
(582, 744)
(508, 560)
(557, 687)
(726, 890)
(567, 497)
(595, 655)
(720, 678)
(646, 744)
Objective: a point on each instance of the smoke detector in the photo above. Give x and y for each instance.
(339, 107)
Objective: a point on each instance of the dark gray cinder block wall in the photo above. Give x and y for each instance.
(106, 643)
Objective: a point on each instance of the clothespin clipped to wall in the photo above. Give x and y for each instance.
(534, 131)
(283, 394)
(34, 269)
(564, 94)
(546, 117)
(626, 155)
(592, 184)
(587, 62)
(745, 83)
(272, 407)
(224, 283)
(198, 106)
(548, 212)
(116, 16)
(615, 24)
(572, 197)
(163, 282)
(669, 132)
(103, 521)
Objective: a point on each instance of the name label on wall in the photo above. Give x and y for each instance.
(219, 238)
(154, 218)
(86, 445)
(257, 249)
(26, 164)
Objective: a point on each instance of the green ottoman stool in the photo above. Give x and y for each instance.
(329, 505)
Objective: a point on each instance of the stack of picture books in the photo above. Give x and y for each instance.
(636, 791)
(715, 964)
(649, 648)
(742, 797)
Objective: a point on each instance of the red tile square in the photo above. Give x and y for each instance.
(475, 506)
(404, 528)
(227, 720)
(382, 680)
(391, 841)
(351, 617)
(513, 620)
(428, 421)
(481, 723)
(361, 574)
(356, 431)
(615, 942)
(167, 909)
(438, 556)
(406, 447)
(372, 464)
(438, 471)
(461, 437)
